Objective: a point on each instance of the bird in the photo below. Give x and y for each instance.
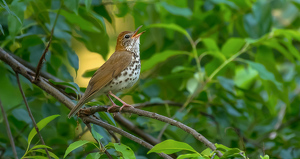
(121, 71)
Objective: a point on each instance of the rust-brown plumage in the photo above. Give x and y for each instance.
(102, 82)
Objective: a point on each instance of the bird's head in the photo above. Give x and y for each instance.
(129, 41)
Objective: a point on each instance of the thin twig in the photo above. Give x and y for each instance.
(30, 115)
(11, 139)
(41, 61)
(102, 146)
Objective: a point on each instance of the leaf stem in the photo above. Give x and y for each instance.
(226, 62)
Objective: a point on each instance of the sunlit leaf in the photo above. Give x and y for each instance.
(95, 155)
(171, 146)
(126, 151)
(170, 26)
(190, 156)
(232, 46)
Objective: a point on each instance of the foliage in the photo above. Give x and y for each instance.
(232, 64)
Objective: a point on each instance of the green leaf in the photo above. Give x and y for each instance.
(89, 73)
(170, 26)
(40, 147)
(234, 152)
(171, 146)
(222, 148)
(15, 18)
(186, 12)
(207, 152)
(210, 44)
(107, 117)
(123, 9)
(44, 152)
(36, 157)
(264, 73)
(189, 156)
(1, 29)
(75, 145)
(81, 22)
(291, 48)
(70, 84)
(95, 155)
(88, 6)
(273, 43)
(159, 57)
(40, 125)
(95, 134)
(98, 103)
(265, 157)
(232, 46)
(125, 150)
(72, 5)
(73, 58)
(192, 85)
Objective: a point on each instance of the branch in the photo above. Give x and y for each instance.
(31, 116)
(173, 122)
(11, 139)
(42, 83)
(41, 61)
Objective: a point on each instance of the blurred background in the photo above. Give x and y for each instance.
(231, 67)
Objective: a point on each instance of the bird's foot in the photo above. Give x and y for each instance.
(125, 105)
(112, 107)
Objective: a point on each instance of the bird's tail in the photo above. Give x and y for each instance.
(76, 108)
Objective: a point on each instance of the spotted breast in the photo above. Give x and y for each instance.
(130, 75)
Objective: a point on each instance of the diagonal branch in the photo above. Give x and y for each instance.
(30, 114)
(11, 139)
(41, 61)
(43, 84)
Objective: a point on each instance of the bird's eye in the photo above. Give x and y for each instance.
(127, 36)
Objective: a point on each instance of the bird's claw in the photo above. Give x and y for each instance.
(125, 105)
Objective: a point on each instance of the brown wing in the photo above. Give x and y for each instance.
(110, 69)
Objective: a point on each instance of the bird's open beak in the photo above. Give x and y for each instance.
(135, 35)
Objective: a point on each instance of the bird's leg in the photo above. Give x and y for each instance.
(124, 104)
(112, 102)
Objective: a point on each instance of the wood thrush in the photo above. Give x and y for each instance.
(119, 72)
